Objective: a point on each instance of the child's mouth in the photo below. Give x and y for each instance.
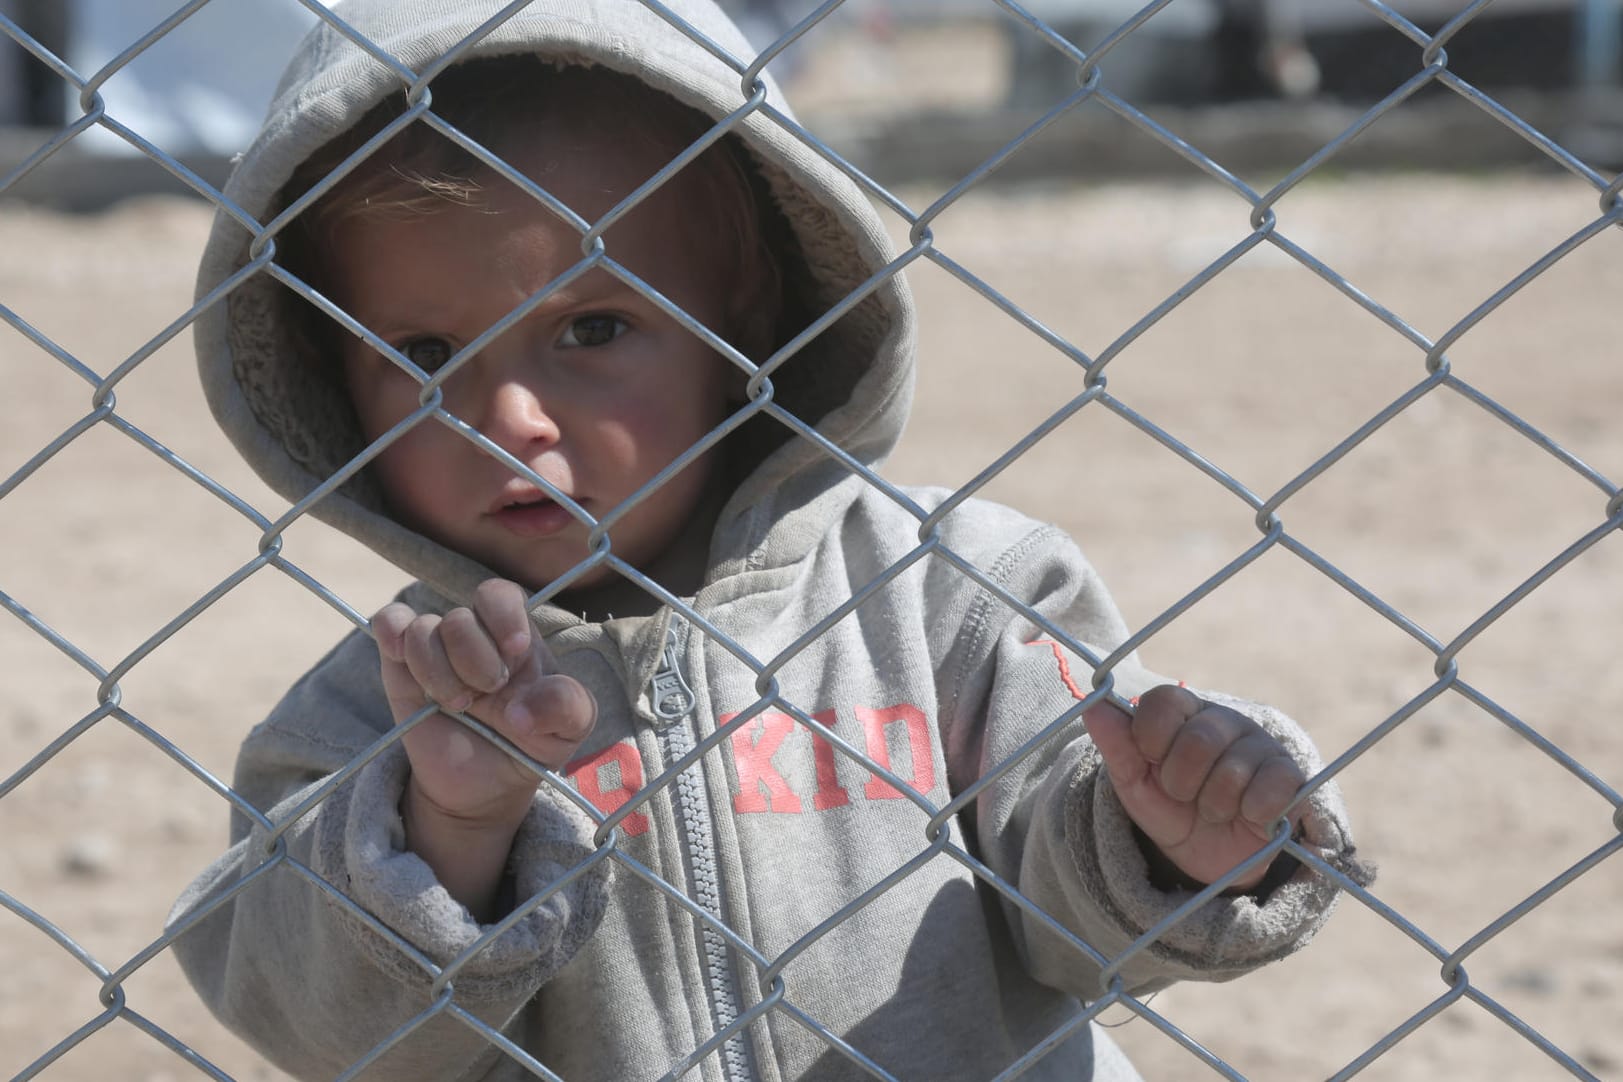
(533, 518)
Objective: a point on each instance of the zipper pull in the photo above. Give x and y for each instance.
(673, 698)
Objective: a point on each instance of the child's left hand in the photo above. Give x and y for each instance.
(1203, 782)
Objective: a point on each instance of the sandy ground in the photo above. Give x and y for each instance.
(1442, 513)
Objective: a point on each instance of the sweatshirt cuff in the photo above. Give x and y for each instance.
(360, 849)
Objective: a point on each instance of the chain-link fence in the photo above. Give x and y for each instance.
(1386, 507)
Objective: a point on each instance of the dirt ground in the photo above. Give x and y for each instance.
(1442, 513)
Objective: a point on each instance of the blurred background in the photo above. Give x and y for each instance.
(1429, 225)
(910, 88)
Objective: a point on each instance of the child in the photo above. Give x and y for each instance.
(767, 905)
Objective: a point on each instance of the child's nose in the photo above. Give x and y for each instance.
(516, 417)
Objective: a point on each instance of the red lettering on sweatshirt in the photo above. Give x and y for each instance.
(830, 793)
(874, 723)
(758, 741)
(760, 786)
(612, 776)
(626, 766)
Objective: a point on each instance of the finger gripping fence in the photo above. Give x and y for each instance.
(1513, 745)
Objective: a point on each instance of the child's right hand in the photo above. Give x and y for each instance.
(489, 663)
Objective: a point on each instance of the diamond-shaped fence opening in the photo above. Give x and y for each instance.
(1338, 442)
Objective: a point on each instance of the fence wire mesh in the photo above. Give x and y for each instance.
(1509, 750)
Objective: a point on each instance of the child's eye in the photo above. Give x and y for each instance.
(429, 354)
(596, 330)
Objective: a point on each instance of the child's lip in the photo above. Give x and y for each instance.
(539, 517)
(528, 496)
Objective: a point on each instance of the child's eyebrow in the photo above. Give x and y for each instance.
(595, 285)
(396, 316)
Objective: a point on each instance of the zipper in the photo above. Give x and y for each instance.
(673, 702)
(672, 695)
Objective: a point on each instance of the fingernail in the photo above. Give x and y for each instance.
(460, 703)
(519, 717)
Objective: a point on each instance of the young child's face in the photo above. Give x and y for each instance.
(596, 389)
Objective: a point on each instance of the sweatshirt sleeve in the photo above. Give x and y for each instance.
(1051, 825)
(299, 969)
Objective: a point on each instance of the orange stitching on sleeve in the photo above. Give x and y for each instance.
(1065, 671)
(1064, 667)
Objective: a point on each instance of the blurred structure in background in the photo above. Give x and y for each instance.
(1202, 51)
(29, 94)
(1170, 58)
(904, 88)
(1260, 85)
(1261, 48)
(185, 94)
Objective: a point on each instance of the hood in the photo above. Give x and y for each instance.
(290, 419)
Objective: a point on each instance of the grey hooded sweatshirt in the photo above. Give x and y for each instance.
(775, 909)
